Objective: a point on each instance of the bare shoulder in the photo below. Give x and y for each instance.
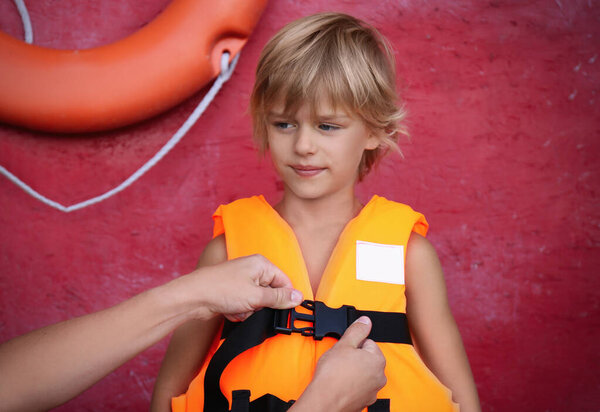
(425, 284)
(215, 252)
(418, 244)
(421, 255)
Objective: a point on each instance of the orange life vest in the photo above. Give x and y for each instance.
(283, 365)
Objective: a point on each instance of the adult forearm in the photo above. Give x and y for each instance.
(314, 399)
(49, 366)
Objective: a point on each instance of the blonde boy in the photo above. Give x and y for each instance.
(324, 106)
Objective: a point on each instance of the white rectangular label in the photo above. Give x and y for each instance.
(377, 262)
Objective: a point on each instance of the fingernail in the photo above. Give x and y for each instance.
(364, 319)
(296, 296)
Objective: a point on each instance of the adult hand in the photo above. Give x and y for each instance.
(348, 376)
(239, 287)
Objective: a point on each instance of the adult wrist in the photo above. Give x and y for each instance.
(316, 398)
(185, 298)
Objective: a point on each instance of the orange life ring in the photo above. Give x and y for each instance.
(129, 80)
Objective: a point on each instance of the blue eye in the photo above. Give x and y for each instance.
(283, 125)
(328, 127)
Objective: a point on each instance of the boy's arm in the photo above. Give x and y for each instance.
(189, 344)
(432, 325)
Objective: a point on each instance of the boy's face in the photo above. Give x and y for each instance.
(317, 156)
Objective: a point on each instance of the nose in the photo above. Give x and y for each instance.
(304, 144)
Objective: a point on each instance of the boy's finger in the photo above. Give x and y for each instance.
(357, 332)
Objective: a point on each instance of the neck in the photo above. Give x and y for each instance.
(336, 209)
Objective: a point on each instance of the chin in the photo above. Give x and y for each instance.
(306, 193)
(308, 196)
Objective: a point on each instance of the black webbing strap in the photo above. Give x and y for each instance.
(252, 332)
(266, 323)
(266, 403)
(271, 403)
(387, 326)
(380, 405)
(240, 401)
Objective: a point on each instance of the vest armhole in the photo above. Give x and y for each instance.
(179, 403)
(421, 226)
(219, 227)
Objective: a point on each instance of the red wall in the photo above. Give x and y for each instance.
(504, 109)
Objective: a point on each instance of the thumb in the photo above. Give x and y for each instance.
(280, 298)
(371, 346)
(357, 332)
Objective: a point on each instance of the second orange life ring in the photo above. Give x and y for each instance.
(129, 80)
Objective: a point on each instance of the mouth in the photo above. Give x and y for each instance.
(307, 171)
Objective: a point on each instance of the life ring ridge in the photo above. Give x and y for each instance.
(146, 73)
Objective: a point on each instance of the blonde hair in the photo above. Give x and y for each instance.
(335, 56)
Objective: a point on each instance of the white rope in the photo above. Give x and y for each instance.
(25, 19)
(226, 71)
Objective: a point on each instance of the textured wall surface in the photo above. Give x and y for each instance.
(504, 103)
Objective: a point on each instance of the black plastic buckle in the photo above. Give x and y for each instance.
(326, 321)
(285, 320)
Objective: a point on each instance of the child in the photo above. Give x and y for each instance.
(324, 106)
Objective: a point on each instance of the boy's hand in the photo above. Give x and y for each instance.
(349, 375)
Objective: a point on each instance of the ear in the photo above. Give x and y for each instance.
(374, 140)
